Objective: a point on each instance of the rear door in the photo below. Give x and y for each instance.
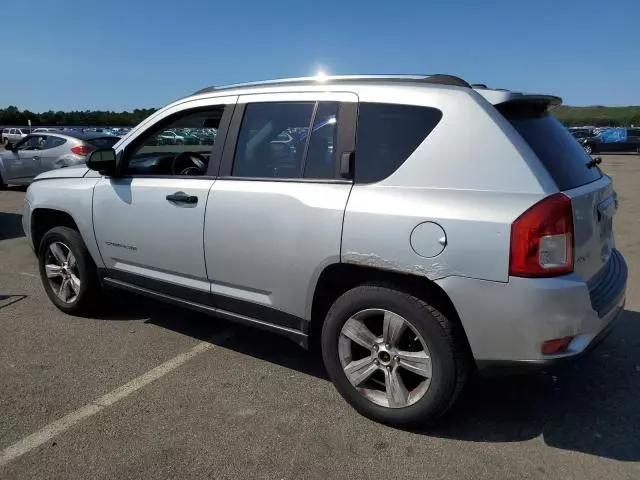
(54, 148)
(274, 216)
(633, 140)
(591, 192)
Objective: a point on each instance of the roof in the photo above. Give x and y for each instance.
(80, 135)
(440, 79)
(493, 95)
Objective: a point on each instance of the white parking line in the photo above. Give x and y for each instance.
(57, 427)
(29, 274)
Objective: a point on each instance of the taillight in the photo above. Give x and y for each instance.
(542, 239)
(82, 150)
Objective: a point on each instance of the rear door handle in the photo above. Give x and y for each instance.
(181, 197)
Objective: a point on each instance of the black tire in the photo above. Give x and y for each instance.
(449, 362)
(89, 292)
(3, 186)
(589, 148)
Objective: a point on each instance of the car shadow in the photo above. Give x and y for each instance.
(10, 226)
(589, 405)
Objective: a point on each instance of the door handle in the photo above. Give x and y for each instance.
(181, 197)
(36, 157)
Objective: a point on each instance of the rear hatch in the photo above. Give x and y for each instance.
(593, 198)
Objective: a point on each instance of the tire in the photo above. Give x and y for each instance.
(588, 148)
(449, 365)
(81, 300)
(3, 186)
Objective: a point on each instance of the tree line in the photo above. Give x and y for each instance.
(598, 116)
(570, 116)
(14, 116)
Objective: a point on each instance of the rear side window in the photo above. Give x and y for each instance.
(103, 142)
(387, 134)
(560, 153)
(53, 142)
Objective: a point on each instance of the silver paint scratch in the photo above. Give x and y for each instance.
(434, 271)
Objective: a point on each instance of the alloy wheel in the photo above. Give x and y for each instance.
(62, 272)
(385, 358)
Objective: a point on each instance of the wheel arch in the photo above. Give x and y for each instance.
(337, 278)
(44, 219)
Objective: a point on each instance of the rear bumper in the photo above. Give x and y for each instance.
(507, 323)
(510, 367)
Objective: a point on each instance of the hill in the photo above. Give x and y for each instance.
(598, 116)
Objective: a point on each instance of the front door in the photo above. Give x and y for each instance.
(149, 220)
(274, 218)
(24, 161)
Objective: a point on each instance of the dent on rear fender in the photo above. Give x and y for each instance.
(433, 271)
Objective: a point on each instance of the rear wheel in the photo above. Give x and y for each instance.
(67, 271)
(392, 356)
(588, 148)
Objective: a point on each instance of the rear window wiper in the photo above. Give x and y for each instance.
(594, 162)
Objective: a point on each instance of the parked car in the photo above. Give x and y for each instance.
(13, 135)
(581, 133)
(169, 138)
(613, 140)
(410, 258)
(41, 152)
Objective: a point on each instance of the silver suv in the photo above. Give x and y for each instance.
(417, 228)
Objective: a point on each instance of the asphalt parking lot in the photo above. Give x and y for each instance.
(150, 391)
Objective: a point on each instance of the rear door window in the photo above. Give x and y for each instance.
(563, 157)
(257, 154)
(53, 142)
(320, 160)
(387, 134)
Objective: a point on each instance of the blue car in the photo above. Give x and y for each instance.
(613, 140)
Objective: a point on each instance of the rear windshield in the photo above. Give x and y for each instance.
(558, 150)
(103, 142)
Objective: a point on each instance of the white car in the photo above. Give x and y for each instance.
(14, 135)
(169, 138)
(410, 258)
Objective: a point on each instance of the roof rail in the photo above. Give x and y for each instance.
(443, 79)
(438, 78)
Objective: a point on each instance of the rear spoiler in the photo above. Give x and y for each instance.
(500, 97)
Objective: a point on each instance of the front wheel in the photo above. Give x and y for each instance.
(588, 148)
(67, 271)
(392, 356)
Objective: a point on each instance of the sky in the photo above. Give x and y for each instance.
(126, 54)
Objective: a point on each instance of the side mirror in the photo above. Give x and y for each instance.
(9, 146)
(103, 160)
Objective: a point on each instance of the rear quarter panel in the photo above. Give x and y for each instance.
(473, 175)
